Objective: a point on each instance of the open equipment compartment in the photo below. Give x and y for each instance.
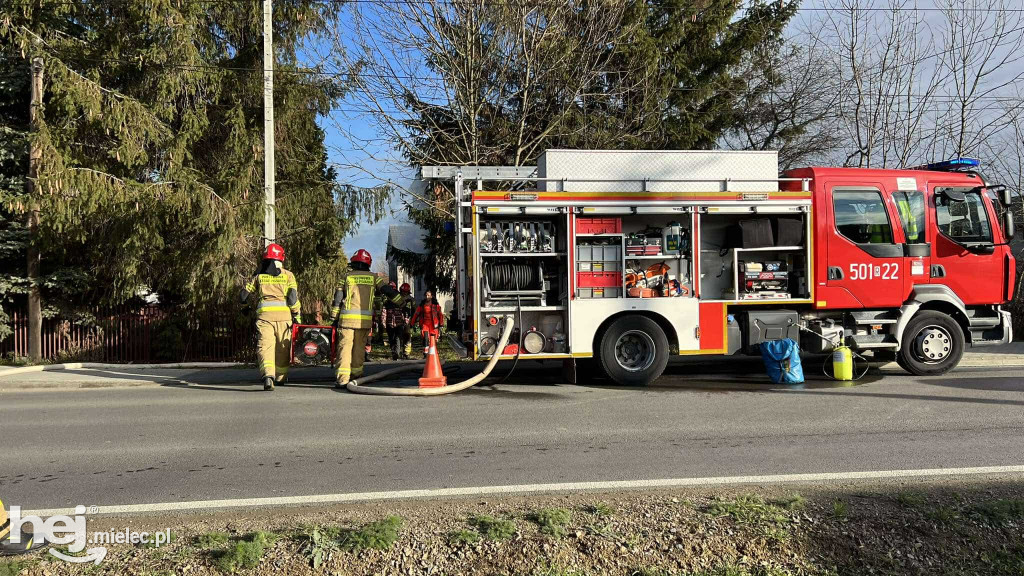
(658, 255)
(754, 256)
(521, 257)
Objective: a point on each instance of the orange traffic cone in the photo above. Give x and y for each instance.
(432, 377)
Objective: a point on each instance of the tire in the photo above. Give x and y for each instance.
(932, 344)
(634, 351)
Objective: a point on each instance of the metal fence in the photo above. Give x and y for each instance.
(138, 335)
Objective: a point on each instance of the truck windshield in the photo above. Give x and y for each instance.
(964, 222)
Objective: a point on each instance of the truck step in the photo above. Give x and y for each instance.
(872, 341)
(984, 322)
(862, 317)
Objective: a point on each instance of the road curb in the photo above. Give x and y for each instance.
(101, 366)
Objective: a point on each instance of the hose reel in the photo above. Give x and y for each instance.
(511, 281)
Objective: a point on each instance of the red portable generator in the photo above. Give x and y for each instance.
(312, 345)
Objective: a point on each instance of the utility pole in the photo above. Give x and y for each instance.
(269, 212)
(35, 313)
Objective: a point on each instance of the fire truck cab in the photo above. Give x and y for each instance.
(625, 258)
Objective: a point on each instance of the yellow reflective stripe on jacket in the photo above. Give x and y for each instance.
(273, 296)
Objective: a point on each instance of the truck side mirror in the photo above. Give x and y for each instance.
(1005, 196)
(1009, 228)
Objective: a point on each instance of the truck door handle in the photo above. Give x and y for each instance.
(835, 273)
(938, 271)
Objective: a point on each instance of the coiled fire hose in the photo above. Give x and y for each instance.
(358, 387)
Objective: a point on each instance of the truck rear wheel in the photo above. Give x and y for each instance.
(634, 351)
(932, 344)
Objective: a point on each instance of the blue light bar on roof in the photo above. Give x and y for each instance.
(954, 165)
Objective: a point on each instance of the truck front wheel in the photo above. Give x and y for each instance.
(932, 344)
(634, 351)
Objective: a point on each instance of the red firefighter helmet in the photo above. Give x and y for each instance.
(362, 256)
(405, 289)
(274, 252)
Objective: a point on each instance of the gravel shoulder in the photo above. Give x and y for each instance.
(943, 526)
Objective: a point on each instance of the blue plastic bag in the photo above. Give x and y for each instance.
(782, 361)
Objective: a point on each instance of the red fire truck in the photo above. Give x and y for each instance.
(628, 257)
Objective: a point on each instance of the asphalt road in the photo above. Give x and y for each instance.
(228, 439)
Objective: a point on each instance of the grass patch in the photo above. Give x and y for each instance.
(493, 528)
(601, 509)
(463, 537)
(13, 567)
(1001, 511)
(552, 521)
(840, 509)
(792, 502)
(212, 539)
(246, 553)
(946, 515)
(749, 509)
(319, 546)
(379, 535)
(772, 520)
(909, 499)
(1005, 561)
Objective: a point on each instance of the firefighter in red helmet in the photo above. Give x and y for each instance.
(277, 307)
(352, 312)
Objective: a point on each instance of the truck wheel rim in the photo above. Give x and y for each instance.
(933, 344)
(634, 351)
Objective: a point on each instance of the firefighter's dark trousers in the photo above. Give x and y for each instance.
(274, 348)
(351, 353)
(398, 338)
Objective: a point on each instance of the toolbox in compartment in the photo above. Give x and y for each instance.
(643, 245)
(599, 279)
(599, 252)
(593, 225)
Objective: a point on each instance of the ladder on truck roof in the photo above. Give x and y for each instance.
(463, 198)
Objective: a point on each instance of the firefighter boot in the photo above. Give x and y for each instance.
(268, 383)
(26, 543)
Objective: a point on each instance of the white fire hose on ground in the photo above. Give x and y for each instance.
(358, 387)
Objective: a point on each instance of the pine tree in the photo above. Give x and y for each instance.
(152, 148)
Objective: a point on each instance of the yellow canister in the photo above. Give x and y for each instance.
(842, 363)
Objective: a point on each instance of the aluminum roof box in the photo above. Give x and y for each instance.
(702, 170)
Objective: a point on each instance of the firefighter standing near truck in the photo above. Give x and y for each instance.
(431, 318)
(277, 307)
(395, 317)
(352, 312)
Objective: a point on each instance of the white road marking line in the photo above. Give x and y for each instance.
(530, 488)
